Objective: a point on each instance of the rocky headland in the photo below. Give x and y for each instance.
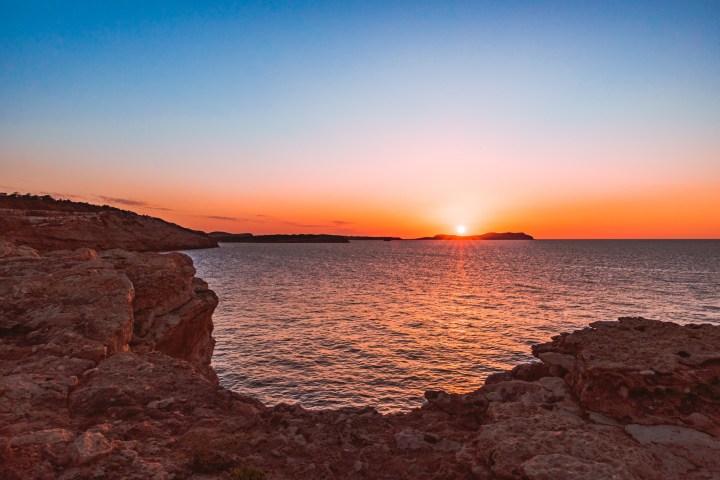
(105, 375)
(46, 224)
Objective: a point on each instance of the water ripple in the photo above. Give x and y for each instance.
(381, 322)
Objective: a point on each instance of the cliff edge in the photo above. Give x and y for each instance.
(105, 374)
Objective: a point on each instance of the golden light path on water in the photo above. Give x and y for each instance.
(378, 323)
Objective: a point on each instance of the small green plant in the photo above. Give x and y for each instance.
(247, 473)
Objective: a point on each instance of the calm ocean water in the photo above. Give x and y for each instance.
(378, 323)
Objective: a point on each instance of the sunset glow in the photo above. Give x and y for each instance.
(359, 239)
(570, 120)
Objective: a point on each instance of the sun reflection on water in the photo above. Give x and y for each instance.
(381, 322)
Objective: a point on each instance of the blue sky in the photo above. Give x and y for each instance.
(356, 96)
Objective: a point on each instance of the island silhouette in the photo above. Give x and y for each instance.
(225, 237)
(103, 226)
(484, 236)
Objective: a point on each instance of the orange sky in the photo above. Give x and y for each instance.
(497, 186)
(676, 211)
(680, 213)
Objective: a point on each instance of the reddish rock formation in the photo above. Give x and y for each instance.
(46, 224)
(172, 309)
(64, 314)
(87, 392)
(670, 376)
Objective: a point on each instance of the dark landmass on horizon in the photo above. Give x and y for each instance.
(225, 237)
(366, 237)
(104, 226)
(20, 201)
(279, 238)
(45, 223)
(484, 236)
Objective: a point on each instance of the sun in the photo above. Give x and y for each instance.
(460, 229)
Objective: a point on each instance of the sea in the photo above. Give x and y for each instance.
(378, 323)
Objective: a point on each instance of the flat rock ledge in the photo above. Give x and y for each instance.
(105, 375)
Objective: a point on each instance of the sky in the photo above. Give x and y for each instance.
(562, 119)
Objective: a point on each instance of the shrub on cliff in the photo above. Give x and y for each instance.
(247, 473)
(207, 453)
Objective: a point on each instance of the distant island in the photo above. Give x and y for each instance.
(353, 238)
(484, 236)
(225, 237)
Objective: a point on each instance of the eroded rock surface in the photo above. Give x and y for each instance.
(172, 308)
(62, 316)
(644, 372)
(105, 374)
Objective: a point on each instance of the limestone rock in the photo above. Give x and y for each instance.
(614, 360)
(565, 467)
(697, 447)
(91, 445)
(411, 440)
(173, 309)
(43, 437)
(63, 314)
(9, 249)
(105, 374)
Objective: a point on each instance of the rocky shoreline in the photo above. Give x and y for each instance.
(105, 374)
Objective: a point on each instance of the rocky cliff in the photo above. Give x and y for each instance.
(105, 374)
(47, 224)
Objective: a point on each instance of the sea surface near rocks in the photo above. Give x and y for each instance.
(378, 323)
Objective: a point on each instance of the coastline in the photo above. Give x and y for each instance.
(106, 375)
